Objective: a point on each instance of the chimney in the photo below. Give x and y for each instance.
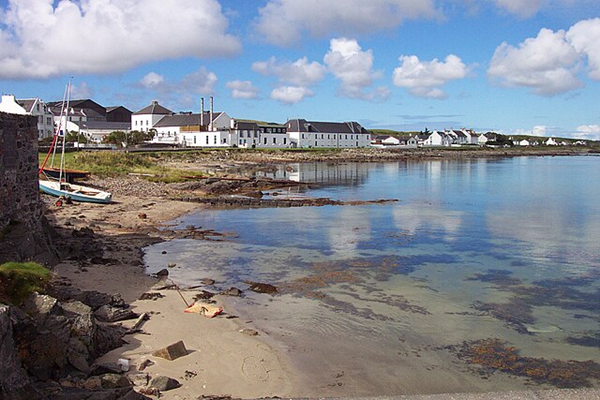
(201, 112)
(211, 114)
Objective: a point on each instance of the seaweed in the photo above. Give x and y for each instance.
(516, 313)
(499, 277)
(591, 340)
(495, 355)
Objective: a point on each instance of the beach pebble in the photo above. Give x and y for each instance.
(249, 332)
(162, 273)
(234, 292)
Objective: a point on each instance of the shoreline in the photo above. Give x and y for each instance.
(221, 360)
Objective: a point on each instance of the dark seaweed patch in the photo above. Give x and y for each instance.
(516, 313)
(499, 277)
(591, 340)
(495, 355)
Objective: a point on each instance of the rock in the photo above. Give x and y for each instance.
(113, 381)
(139, 379)
(262, 287)
(109, 313)
(235, 292)
(41, 306)
(163, 252)
(249, 332)
(14, 382)
(164, 383)
(145, 364)
(162, 273)
(172, 265)
(151, 296)
(204, 295)
(92, 383)
(172, 352)
(142, 216)
(106, 368)
(207, 281)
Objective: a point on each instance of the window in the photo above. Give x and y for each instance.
(284, 140)
(206, 139)
(274, 140)
(146, 122)
(322, 136)
(215, 139)
(346, 137)
(303, 136)
(135, 123)
(194, 139)
(265, 140)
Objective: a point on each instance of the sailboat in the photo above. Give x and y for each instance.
(63, 186)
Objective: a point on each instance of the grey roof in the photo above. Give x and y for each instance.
(26, 104)
(103, 125)
(154, 108)
(185, 119)
(109, 109)
(302, 125)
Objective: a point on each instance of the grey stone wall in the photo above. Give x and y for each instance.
(23, 233)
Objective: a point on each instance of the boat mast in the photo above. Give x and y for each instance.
(64, 138)
(62, 111)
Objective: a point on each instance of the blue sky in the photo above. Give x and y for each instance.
(513, 66)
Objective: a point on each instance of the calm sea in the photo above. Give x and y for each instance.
(373, 300)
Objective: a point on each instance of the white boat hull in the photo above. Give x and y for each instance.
(75, 192)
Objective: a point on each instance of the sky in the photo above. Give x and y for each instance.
(510, 66)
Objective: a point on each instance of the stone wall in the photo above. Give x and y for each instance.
(23, 234)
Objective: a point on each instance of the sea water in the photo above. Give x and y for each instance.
(372, 299)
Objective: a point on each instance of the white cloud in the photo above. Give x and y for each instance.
(589, 132)
(520, 8)
(424, 78)
(585, 38)
(354, 68)
(291, 94)
(242, 89)
(547, 64)
(81, 91)
(201, 81)
(282, 22)
(152, 80)
(38, 38)
(299, 73)
(539, 130)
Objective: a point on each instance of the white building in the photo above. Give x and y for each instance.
(35, 107)
(195, 130)
(305, 134)
(485, 138)
(255, 134)
(145, 119)
(438, 139)
(551, 142)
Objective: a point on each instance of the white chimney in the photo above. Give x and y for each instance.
(211, 114)
(201, 112)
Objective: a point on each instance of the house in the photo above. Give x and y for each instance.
(472, 137)
(35, 107)
(79, 110)
(252, 134)
(551, 142)
(486, 137)
(421, 138)
(304, 134)
(524, 142)
(385, 140)
(195, 130)
(458, 137)
(96, 131)
(438, 139)
(145, 119)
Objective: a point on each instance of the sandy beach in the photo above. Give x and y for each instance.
(223, 356)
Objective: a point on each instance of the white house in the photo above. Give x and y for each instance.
(254, 134)
(524, 143)
(303, 134)
(472, 137)
(438, 139)
(195, 130)
(551, 142)
(145, 119)
(97, 131)
(485, 138)
(458, 137)
(35, 107)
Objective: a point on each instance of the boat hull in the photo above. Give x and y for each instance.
(68, 174)
(75, 192)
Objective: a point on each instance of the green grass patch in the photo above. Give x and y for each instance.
(19, 280)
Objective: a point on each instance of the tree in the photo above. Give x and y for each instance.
(123, 139)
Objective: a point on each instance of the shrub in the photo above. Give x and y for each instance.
(19, 280)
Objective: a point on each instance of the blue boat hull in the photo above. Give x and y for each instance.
(75, 192)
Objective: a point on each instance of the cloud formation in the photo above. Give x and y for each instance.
(549, 64)
(425, 78)
(297, 73)
(242, 89)
(354, 68)
(520, 8)
(282, 22)
(291, 94)
(589, 132)
(108, 36)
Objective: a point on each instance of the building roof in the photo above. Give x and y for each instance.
(302, 125)
(185, 119)
(27, 104)
(154, 108)
(103, 125)
(110, 109)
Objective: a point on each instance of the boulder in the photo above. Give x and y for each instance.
(14, 382)
(113, 381)
(108, 313)
(164, 383)
(172, 352)
(235, 292)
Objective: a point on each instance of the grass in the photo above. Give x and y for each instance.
(19, 280)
